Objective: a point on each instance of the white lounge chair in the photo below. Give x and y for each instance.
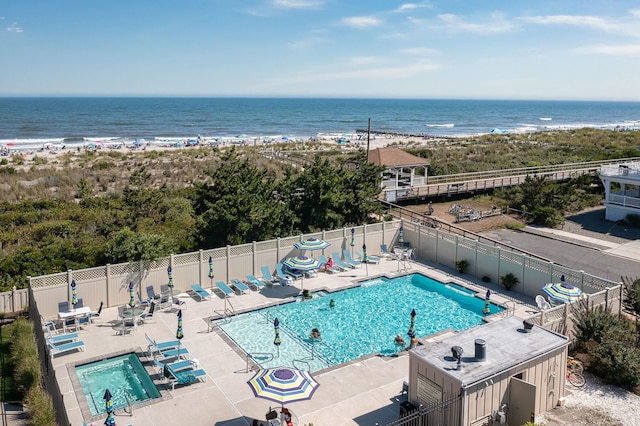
(62, 348)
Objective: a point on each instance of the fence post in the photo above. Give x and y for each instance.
(13, 299)
(228, 255)
(254, 256)
(141, 270)
(69, 279)
(107, 273)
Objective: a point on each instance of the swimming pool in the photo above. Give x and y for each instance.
(124, 376)
(363, 321)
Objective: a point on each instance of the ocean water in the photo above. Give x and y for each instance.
(34, 122)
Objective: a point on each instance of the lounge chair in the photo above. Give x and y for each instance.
(64, 347)
(149, 314)
(184, 376)
(283, 277)
(267, 277)
(325, 264)
(225, 289)
(337, 262)
(200, 292)
(175, 366)
(242, 287)
(61, 338)
(348, 259)
(384, 252)
(257, 282)
(370, 259)
(293, 272)
(543, 305)
(179, 352)
(160, 300)
(160, 346)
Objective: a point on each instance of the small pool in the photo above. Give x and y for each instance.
(124, 376)
(363, 321)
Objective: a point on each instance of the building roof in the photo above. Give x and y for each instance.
(506, 344)
(394, 157)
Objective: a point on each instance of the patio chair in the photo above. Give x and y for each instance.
(255, 281)
(55, 349)
(293, 272)
(543, 305)
(267, 277)
(338, 263)
(242, 287)
(370, 259)
(149, 314)
(141, 300)
(160, 346)
(348, 259)
(83, 320)
(63, 306)
(80, 303)
(96, 314)
(151, 294)
(384, 252)
(325, 264)
(183, 377)
(225, 289)
(283, 277)
(200, 292)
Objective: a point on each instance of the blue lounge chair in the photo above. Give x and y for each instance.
(184, 364)
(283, 277)
(242, 287)
(200, 292)
(64, 347)
(225, 289)
(179, 352)
(337, 262)
(348, 259)
(184, 376)
(324, 261)
(61, 338)
(292, 272)
(160, 346)
(370, 259)
(267, 277)
(255, 281)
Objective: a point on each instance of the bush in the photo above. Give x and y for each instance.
(24, 356)
(462, 266)
(616, 359)
(509, 280)
(41, 411)
(591, 324)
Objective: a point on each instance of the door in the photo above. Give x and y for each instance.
(522, 402)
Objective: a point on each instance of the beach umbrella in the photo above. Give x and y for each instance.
(311, 244)
(401, 235)
(211, 270)
(108, 402)
(276, 340)
(487, 302)
(365, 259)
(74, 294)
(170, 274)
(562, 292)
(179, 334)
(302, 263)
(353, 240)
(132, 295)
(412, 329)
(283, 385)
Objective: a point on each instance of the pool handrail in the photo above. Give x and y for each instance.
(252, 355)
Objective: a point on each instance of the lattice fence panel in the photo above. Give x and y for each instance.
(90, 274)
(336, 234)
(49, 280)
(187, 258)
(242, 250)
(262, 246)
(125, 268)
(537, 264)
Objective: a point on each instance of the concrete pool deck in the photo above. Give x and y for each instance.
(363, 392)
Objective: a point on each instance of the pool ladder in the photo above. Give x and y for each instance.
(128, 396)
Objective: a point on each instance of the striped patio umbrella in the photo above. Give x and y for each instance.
(283, 385)
(562, 292)
(108, 402)
(311, 244)
(179, 334)
(487, 302)
(353, 240)
(302, 263)
(74, 294)
(401, 235)
(211, 270)
(276, 340)
(132, 295)
(412, 329)
(170, 274)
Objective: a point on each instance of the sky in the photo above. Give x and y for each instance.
(451, 49)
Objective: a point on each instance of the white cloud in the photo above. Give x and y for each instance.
(364, 60)
(14, 28)
(496, 23)
(361, 21)
(632, 50)
(620, 27)
(381, 73)
(410, 6)
(297, 4)
(419, 51)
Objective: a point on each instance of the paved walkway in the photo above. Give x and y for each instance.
(364, 392)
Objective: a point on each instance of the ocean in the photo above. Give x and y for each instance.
(36, 122)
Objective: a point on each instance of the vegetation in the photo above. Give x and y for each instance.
(509, 281)
(609, 343)
(462, 265)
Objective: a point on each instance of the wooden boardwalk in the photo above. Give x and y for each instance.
(469, 183)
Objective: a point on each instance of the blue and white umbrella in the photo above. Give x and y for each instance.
(562, 292)
(170, 274)
(302, 263)
(74, 294)
(108, 402)
(311, 244)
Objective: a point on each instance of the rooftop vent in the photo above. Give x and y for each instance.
(528, 325)
(481, 350)
(456, 351)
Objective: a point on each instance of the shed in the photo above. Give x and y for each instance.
(508, 371)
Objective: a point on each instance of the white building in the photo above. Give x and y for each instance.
(621, 190)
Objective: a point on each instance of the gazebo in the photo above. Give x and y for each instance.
(400, 170)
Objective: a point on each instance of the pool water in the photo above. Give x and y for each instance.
(363, 321)
(124, 376)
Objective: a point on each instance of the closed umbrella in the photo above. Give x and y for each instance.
(170, 274)
(74, 294)
(401, 235)
(365, 259)
(132, 296)
(276, 340)
(311, 244)
(562, 292)
(211, 270)
(353, 240)
(487, 302)
(179, 334)
(412, 329)
(302, 263)
(108, 402)
(283, 385)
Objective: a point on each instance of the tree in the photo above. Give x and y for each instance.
(631, 299)
(129, 246)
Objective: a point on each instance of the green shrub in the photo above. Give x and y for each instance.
(547, 216)
(633, 220)
(462, 265)
(40, 408)
(617, 359)
(591, 324)
(509, 280)
(23, 356)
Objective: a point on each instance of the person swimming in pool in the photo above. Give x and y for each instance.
(400, 341)
(332, 303)
(315, 334)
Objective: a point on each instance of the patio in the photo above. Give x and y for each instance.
(363, 392)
